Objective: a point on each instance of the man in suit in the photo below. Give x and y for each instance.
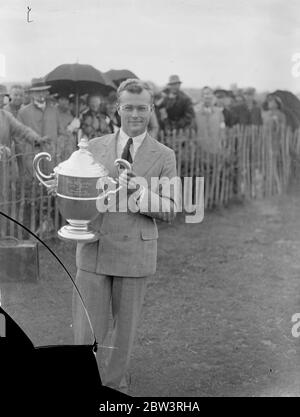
(115, 269)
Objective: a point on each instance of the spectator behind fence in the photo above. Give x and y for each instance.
(12, 130)
(224, 101)
(178, 105)
(93, 120)
(111, 114)
(12, 134)
(248, 112)
(3, 95)
(154, 125)
(27, 96)
(273, 117)
(42, 117)
(68, 126)
(158, 101)
(209, 122)
(16, 100)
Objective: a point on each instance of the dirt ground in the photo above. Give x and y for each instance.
(217, 318)
(217, 315)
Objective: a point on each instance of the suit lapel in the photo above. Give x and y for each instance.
(108, 155)
(145, 157)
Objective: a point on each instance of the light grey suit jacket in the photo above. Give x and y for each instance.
(128, 241)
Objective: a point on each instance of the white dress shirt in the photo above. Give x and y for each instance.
(122, 140)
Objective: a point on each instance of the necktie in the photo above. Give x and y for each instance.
(126, 151)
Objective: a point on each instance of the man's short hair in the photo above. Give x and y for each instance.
(135, 86)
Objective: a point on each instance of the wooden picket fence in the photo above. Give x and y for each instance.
(252, 162)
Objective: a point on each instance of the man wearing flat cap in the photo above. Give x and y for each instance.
(42, 117)
(178, 105)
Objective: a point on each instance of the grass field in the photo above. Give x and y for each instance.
(217, 315)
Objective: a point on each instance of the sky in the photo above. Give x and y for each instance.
(205, 42)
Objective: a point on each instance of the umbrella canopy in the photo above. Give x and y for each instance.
(117, 76)
(78, 79)
(290, 107)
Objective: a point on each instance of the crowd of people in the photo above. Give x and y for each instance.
(33, 119)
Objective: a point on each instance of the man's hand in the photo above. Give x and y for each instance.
(74, 125)
(127, 180)
(52, 187)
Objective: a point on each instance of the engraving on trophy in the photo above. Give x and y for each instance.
(77, 187)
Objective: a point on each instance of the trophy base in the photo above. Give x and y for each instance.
(77, 234)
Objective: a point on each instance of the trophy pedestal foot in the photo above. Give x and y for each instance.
(77, 234)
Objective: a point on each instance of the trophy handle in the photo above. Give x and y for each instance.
(36, 166)
(123, 163)
(118, 162)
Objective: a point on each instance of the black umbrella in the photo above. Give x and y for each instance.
(290, 107)
(117, 76)
(79, 79)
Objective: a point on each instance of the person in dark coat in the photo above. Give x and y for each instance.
(178, 105)
(42, 117)
(224, 101)
(248, 112)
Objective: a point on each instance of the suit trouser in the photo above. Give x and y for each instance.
(125, 296)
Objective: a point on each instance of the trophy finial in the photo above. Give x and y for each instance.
(83, 144)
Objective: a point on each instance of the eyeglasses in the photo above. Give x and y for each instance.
(142, 109)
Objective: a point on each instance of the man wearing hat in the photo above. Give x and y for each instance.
(178, 105)
(42, 117)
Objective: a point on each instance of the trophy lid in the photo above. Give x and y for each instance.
(81, 164)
